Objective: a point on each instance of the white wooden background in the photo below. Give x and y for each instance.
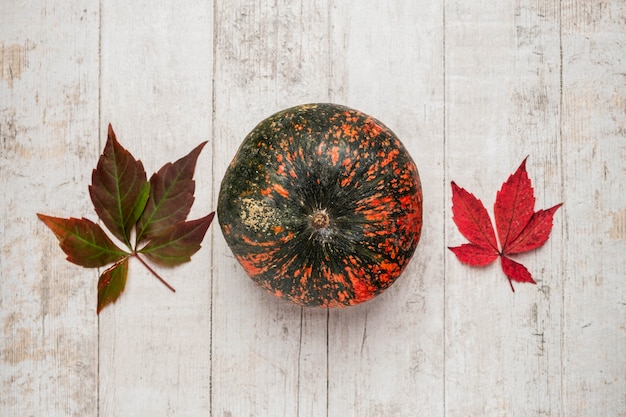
(471, 87)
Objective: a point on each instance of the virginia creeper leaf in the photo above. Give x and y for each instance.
(83, 241)
(119, 189)
(111, 283)
(520, 228)
(171, 196)
(127, 203)
(177, 243)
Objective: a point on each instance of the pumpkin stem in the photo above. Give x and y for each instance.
(320, 220)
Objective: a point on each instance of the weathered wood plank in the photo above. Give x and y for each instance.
(386, 356)
(156, 90)
(470, 87)
(269, 357)
(594, 181)
(503, 349)
(48, 136)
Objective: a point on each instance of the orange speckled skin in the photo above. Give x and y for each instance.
(329, 159)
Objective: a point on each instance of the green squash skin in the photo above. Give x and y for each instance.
(322, 205)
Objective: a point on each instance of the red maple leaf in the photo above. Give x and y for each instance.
(520, 228)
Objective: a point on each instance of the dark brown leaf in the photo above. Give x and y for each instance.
(120, 194)
(171, 196)
(83, 241)
(111, 284)
(177, 243)
(119, 189)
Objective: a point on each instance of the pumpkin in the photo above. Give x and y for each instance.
(322, 205)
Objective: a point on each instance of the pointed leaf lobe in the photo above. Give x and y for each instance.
(83, 241)
(171, 196)
(536, 232)
(472, 219)
(474, 255)
(112, 283)
(514, 206)
(177, 243)
(119, 188)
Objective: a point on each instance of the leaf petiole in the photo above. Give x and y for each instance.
(156, 275)
(511, 284)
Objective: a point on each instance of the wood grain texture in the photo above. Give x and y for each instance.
(48, 130)
(503, 103)
(156, 76)
(471, 88)
(388, 61)
(267, 57)
(594, 178)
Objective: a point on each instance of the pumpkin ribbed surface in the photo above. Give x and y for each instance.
(322, 205)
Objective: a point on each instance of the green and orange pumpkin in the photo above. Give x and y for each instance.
(322, 205)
